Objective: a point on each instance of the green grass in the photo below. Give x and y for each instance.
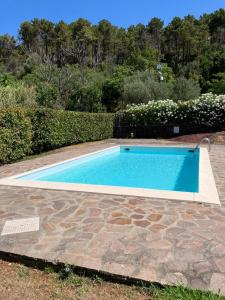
(181, 293)
(154, 292)
(22, 272)
(67, 283)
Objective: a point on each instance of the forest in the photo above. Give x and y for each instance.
(101, 67)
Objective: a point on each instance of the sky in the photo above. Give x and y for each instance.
(118, 12)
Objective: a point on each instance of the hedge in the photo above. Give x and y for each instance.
(56, 128)
(207, 110)
(23, 132)
(15, 135)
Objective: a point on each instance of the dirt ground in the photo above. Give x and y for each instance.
(217, 137)
(18, 282)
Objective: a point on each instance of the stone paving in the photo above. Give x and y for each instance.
(158, 240)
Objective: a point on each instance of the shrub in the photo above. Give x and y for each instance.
(86, 98)
(217, 84)
(15, 135)
(47, 95)
(57, 128)
(17, 95)
(23, 132)
(185, 89)
(207, 110)
(135, 92)
(143, 87)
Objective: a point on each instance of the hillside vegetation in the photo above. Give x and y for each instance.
(101, 67)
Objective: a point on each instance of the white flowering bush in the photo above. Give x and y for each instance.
(207, 110)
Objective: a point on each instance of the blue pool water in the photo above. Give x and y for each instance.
(161, 168)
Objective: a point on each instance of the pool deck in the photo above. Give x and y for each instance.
(157, 240)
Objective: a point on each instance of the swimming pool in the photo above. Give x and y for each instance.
(174, 169)
(160, 172)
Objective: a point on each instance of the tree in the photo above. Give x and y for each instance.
(63, 40)
(82, 36)
(64, 61)
(106, 36)
(7, 46)
(216, 24)
(155, 28)
(86, 97)
(217, 84)
(38, 36)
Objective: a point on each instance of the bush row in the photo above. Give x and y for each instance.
(23, 132)
(207, 110)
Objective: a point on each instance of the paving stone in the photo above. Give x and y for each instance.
(152, 239)
(202, 268)
(115, 214)
(137, 217)
(154, 217)
(217, 283)
(176, 278)
(49, 227)
(197, 283)
(117, 246)
(190, 244)
(179, 266)
(120, 221)
(174, 231)
(218, 250)
(64, 213)
(142, 223)
(120, 269)
(94, 212)
(160, 244)
(132, 248)
(80, 211)
(190, 255)
(147, 274)
(92, 220)
(92, 227)
(139, 211)
(157, 227)
(220, 262)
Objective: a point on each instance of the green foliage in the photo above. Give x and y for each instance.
(135, 91)
(17, 94)
(112, 91)
(185, 89)
(22, 272)
(57, 128)
(113, 87)
(217, 84)
(139, 62)
(47, 95)
(23, 132)
(86, 98)
(15, 135)
(182, 293)
(207, 110)
(87, 67)
(6, 79)
(143, 87)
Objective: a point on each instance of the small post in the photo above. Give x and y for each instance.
(160, 74)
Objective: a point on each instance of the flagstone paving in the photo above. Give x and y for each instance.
(144, 238)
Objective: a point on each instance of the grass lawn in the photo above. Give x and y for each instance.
(18, 282)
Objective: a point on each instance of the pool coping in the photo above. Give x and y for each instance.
(207, 187)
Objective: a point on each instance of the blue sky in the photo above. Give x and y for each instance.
(119, 12)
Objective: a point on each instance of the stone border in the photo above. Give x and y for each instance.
(207, 187)
(41, 264)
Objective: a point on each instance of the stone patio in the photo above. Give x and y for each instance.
(156, 240)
